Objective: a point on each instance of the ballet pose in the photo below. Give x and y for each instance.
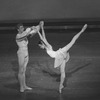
(22, 53)
(61, 55)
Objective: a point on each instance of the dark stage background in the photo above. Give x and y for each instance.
(48, 9)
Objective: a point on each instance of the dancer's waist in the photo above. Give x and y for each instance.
(23, 48)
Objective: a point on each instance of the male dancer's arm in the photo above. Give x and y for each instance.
(29, 31)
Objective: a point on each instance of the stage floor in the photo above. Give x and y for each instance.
(82, 71)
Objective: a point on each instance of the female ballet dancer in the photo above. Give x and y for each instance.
(22, 53)
(61, 55)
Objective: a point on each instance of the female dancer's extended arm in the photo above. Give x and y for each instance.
(68, 46)
(43, 33)
(42, 36)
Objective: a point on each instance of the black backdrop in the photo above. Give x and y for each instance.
(48, 9)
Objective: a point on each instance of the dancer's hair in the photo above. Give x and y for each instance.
(41, 42)
(18, 25)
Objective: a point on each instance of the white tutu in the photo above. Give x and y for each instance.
(60, 57)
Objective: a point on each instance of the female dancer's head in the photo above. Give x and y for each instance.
(42, 45)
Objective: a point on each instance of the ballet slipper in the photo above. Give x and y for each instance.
(29, 88)
(22, 89)
(25, 88)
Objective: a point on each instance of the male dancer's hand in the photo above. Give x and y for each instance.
(35, 30)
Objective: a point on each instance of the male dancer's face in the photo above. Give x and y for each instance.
(21, 28)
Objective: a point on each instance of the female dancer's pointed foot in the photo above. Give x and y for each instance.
(60, 88)
(25, 88)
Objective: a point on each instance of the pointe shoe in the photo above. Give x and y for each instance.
(60, 88)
